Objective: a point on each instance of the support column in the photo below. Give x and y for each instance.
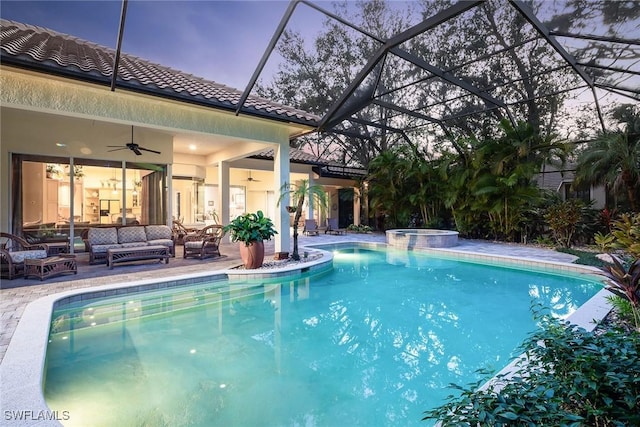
(169, 196)
(223, 195)
(356, 205)
(310, 201)
(281, 174)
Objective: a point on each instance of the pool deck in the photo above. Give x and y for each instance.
(34, 299)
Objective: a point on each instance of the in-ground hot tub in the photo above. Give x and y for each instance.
(416, 238)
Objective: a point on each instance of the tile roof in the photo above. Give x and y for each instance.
(42, 49)
(322, 167)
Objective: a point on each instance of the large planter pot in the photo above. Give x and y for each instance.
(252, 255)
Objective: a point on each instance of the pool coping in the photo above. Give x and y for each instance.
(22, 368)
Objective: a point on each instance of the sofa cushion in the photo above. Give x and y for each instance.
(101, 249)
(102, 236)
(163, 242)
(134, 244)
(20, 256)
(132, 235)
(157, 232)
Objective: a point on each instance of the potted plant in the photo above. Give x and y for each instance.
(251, 229)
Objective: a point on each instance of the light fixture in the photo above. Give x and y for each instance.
(192, 147)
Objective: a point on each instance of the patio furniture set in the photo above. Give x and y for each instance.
(42, 260)
(111, 245)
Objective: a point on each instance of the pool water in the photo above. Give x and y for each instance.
(374, 342)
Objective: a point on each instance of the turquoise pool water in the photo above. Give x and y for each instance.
(374, 342)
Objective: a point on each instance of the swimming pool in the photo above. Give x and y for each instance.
(374, 341)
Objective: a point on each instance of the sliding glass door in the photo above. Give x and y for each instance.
(55, 199)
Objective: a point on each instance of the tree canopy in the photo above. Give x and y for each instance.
(423, 74)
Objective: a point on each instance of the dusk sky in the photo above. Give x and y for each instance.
(222, 41)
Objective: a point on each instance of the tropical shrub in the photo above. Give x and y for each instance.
(604, 242)
(575, 378)
(563, 219)
(299, 192)
(623, 308)
(359, 228)
(625, 283)
(626, 231)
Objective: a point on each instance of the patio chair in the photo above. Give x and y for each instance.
(205, 243)
(14, 250)
(310, 227)
(332, 227)
(180, 232)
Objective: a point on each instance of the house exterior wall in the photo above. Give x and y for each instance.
(39, 111)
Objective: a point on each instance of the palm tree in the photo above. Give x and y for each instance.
(613, 158)
(299, 192)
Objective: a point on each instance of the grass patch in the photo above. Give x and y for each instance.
(584, 257)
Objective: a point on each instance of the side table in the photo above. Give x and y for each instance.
(44, 268)
(56, 248)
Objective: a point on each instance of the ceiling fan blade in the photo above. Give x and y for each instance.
(151, 151)
(117, 149)
(136, 150)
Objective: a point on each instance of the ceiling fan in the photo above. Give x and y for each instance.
(132, 146)
(251, 179)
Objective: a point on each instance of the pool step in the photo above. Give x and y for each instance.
(140, 306)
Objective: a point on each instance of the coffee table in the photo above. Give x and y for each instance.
(137, 253)
(44, 268)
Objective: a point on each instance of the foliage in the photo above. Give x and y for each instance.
(604, 241)
(414, 187)
(570, 377)
(315, 74)
(490, 184)
(584, 257)
(563, 219)
(623, 308)
(299, 192)
(613, 158)
(625, 283)
(626, 232)
(250, 227)
(359, 228)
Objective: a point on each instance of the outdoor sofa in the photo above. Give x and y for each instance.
(100, 239)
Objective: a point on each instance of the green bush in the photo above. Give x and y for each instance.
(563, 219)
(576, 378)
(627, 234)
(625, 282)
(359, 228)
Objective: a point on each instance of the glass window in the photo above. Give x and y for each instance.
(54, 204)
(237, 201)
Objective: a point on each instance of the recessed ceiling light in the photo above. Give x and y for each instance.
(192, 147)
(60, 144)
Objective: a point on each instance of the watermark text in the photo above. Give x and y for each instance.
(28, 415)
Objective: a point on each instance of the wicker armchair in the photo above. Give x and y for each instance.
(180, 232)
(205, 243)
(14, 250)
